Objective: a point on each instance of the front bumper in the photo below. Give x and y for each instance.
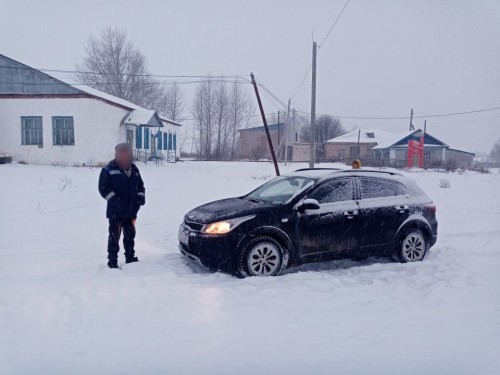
(219, 253)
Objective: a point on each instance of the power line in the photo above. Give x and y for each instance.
(408, 117)
(135, 83)
(302, 82)
(319, 46)
(334, 23)
(242, 76)
(282, 103)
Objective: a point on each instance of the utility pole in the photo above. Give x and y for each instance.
(359, 136)
(411, 120)
(279, 144)
(313, 109)
(271, 148)
(287, 130)
(422, 146)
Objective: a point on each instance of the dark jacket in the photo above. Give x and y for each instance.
(124, 194)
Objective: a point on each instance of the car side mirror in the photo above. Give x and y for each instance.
(307, 204)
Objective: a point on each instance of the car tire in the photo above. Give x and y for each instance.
(261, 256)
(411, 246)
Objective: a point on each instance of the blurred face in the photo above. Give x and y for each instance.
(355, 165)
(123, 157)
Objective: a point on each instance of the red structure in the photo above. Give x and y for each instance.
(416, 151)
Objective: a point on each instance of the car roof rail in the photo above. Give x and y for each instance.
(393, 173)
(317, 169)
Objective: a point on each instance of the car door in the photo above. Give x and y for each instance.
(383, 208)
(333, 229)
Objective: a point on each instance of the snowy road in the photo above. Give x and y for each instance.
(62, 311)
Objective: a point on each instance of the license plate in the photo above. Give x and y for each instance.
(183, 238)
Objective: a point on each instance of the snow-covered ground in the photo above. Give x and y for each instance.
(63, 311)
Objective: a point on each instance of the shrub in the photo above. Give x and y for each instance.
(444, 183)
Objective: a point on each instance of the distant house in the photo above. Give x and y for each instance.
(357, 143)
(436, 152)
(254, 144)
(387, 148)
(44, 120)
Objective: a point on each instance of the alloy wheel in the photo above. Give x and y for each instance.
(264, 259)
(413, 247)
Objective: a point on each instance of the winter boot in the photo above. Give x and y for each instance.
(131, 260)
(113, 264)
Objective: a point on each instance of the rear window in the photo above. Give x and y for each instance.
(378, 188)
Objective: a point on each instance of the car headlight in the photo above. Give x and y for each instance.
(225, 226)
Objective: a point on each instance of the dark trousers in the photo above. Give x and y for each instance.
(115, 230)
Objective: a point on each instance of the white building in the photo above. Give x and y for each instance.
(44, 120)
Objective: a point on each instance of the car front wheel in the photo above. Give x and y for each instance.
(411, 247)
(262, 256)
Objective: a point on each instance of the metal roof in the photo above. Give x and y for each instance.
(272, 127)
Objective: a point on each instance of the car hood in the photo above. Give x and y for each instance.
(225, 209)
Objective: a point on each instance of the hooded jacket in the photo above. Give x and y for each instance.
(125, 194)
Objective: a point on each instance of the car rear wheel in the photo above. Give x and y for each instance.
(412, 246)
(262, 256)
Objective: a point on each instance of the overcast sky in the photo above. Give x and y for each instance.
(382, 59)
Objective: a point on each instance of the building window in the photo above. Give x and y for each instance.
(31, 130)
(386, 154)
(63, 131)
(370, 135)
(354, 151)
(341, 153)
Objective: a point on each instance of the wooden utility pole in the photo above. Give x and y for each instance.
(313, 109)
(287, 130)
(411, 120)
(271, 148)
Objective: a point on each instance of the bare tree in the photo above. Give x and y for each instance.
(495, 152)
(203, 112)
(239, 105)
(221, 108)
(112, 64)
(171, 102)
(327, 127)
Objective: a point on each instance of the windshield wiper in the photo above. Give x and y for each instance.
(255, 200)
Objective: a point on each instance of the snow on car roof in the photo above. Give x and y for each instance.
(322, 172)
(312, 172)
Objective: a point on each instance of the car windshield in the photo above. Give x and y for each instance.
(279, 190)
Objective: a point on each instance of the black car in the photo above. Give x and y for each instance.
(311, 215)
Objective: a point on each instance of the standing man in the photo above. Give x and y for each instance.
(120, 183)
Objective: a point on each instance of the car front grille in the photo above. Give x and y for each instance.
(193, 226)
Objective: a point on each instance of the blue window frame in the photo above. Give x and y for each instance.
(63, 131)
(138, 137)
(31, 130)
(165, 141)
(160, 140)
(146, 138)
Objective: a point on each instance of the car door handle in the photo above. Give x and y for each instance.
(350, 214)
(402, 209)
